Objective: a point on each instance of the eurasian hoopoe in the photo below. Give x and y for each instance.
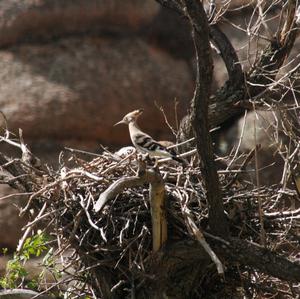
(143, 142)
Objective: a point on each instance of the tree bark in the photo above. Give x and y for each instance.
(199, 117)
(178, 272)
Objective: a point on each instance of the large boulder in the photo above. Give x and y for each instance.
(10, 222)
(257, 128)
(29, 20)
(78, 88)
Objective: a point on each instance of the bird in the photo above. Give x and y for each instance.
(143, 142)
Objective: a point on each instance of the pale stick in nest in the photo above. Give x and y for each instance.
(195, 231)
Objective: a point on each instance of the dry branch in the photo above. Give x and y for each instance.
(274, 55)
(115, 248)
(251, 255)
(199, 117)
(233, 97)
(197, 233)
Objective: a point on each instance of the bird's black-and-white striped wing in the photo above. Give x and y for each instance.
(146, 144)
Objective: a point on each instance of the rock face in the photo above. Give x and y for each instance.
(36, 20)
(10, 222)
(258, 128)
(78, 88)
(70, 69)
(21, 294)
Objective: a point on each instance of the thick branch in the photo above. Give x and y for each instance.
(199, 118)
(260, 258)
(158, 212)
(116, 188)
(190, 260)
(229, 56)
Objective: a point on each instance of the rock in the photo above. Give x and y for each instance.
(78, 88)
(30, 20)
(260, 129)
(3, 262)
(21, 294)
(170, 31)
(10, 222)
(236, 4)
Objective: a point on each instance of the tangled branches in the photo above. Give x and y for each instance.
(110, 252)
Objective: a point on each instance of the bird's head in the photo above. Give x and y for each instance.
(130, 117)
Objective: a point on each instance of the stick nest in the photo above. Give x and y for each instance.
(111, 250)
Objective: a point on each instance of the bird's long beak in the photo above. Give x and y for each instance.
(120, 122)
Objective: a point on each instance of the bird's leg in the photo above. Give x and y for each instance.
(141, 164)
(139, 156)
(156, 163)
(148, 159)
(142, 168)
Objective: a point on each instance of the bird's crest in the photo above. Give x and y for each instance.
(131, 116)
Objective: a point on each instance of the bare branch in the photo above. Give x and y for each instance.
(197, 233)
(199, 117)
(229, 56)
(258, 257)
(118, 187)
(274, 54)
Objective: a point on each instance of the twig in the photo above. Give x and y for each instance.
(260, 208)
(166, 119)
(15, 194)
(87, 174)
(42, 190)
(282, 214)
(242, 167)
(73, 150)
(197, 233)
(184, 155)
(85, 208)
